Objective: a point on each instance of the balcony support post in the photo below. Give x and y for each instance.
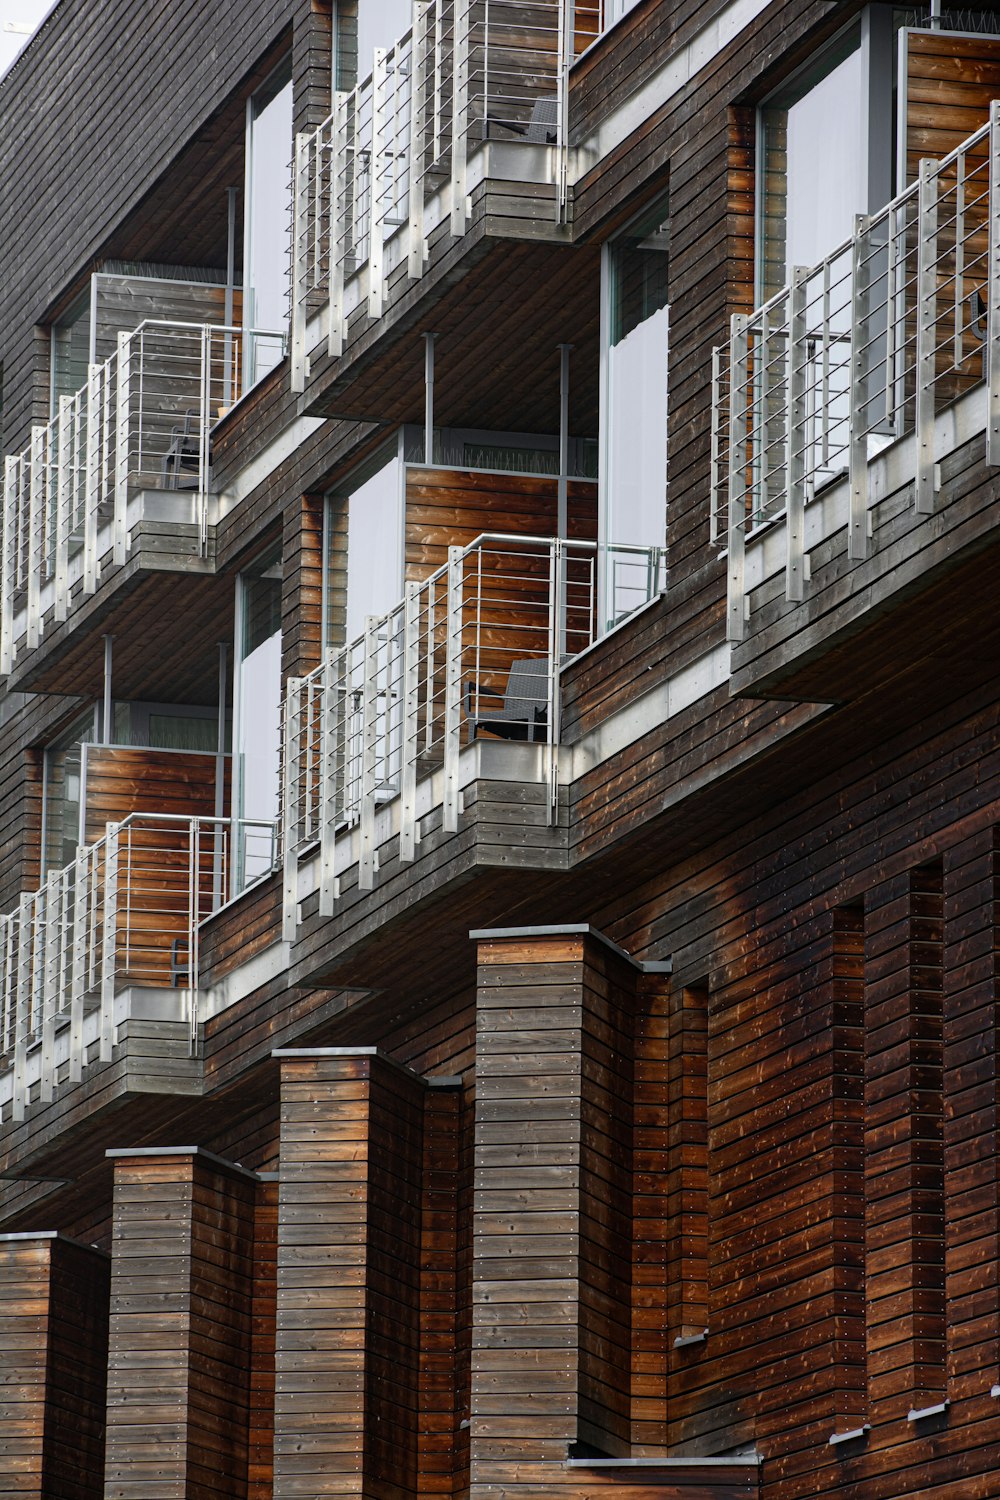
(795, 462)
(453, 689)
(738, 395)
(49, 983)
(927, 217)
(857, 520)
(993, 295)
(204, 448)
(411, 723)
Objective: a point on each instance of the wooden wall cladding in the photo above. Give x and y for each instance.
(553, 1240)
(950, 82)
(181, 1326)
(350, 1380)
(301, 585)
(451, 507)
(121, 781)
(53, 1346)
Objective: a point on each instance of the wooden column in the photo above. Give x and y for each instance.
(53, 1352)
(972, 1115)
(181, 1301)
(349, 1250)
(904, 1176)
(664, 1045)
(301, 586)
(260, 1469)
(552, 1256)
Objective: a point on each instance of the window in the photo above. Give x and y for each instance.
(837, 110)
(634, 407)
(257, 716)
(71, 351)
(359, 27)
(363, 573)
(267, 223)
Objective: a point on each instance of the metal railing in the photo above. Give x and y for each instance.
(856, 352)
(466, 71)
(142, 421)
(125, 912)
(477, 647)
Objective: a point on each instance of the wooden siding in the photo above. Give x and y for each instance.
(122, 780)
(53, 1346)
(181, 1327)
(950, 83)
(451, 507)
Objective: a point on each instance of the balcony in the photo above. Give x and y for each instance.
(852, 416)
(472, 94)
(110, 941)
(129, 454)
(460, 681)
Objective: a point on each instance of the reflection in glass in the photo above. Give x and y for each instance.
(364, 572)
(635, 488)
(258, 714)
(806, 211)
(267, 228)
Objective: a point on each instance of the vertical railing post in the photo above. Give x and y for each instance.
(332, 771)
(194, 915)
(453, 687)
(556, 638)
(78, 981)
(109, 946)
(289, 840)
(566, 50)
(927, 217)
(795, 460)
(300, 253)
(459, 122)
(738, 387)
(411, 723)
(376, 183)
(715, 530)
(122, 419)
(36, 512)
(416, 245)
(857, 518)
(369, 740)
(49, 899)
(204, 429)
(993, 295)
(8, 563)
(338, 223)
(22, 1020)
(91, 493)
(64, 491)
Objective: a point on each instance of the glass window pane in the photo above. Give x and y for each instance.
(70, 351)
(258, 732)
(805, 212)
(268, 220)
(364, 572)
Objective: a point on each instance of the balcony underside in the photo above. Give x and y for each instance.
(924, 598)
(498, 309)
(164, 580)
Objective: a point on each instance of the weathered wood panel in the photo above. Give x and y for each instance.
(53, 1346)
(181, 1326)
(552, 1248)
(120, 781)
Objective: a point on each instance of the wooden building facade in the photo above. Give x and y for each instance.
(500, 877)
